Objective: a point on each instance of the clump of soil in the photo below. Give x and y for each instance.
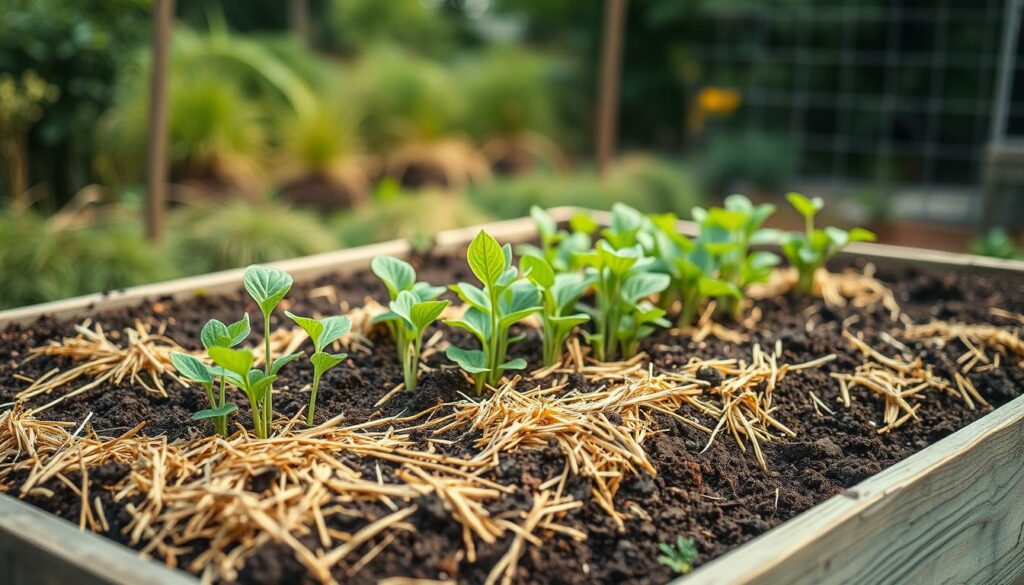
(719, 497)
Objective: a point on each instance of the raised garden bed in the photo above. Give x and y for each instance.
(949, 512)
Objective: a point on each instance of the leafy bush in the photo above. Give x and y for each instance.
(216, 236)
(507, 94)
(401, 215)
(361, 25)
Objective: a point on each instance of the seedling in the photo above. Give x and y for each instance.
(726, 234)
(323, 332)
(397, 276)
(679, 558)
(503, 301)
(236, 368)
(559, 247)
(559, 294)
(809, 251)
(267, 286)
(409, 317)
(622, 282)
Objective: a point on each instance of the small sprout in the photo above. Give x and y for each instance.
(503, 301)
(323, 332)
(809, 251)
(622, 282)
(214, 334)
(559, 247)
(236, 368)
(409, 316)
(726, 234)
(267, 286)
(679, 558)
(398, 276)
(559, 294)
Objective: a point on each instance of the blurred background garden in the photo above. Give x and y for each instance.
(302, 126)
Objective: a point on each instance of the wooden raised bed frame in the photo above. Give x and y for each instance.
(951, 513)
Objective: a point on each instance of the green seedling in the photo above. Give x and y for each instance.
(267, 286)
(726, 234)
(679, 558)
(398, 276)
(214, 334)
(559, 295)
(559, 247)
(622, 283)
(493, 309)
(323, 332)
(409, 317)
(236, 368)
(809, 251)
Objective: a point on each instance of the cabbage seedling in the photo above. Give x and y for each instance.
(809, 251)
(398, 276)
(409, 317)
(267, 286)
(622, 282)
(503, 301)
(559, 294)
(323, 332)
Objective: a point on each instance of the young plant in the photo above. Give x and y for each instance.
(559, 294)
(323, 332)
(622, 282)
(398, 276)
(809, 251)
(236, 368)
(678, 558)
(727, 233)
(214, 334)
(559, 247)
(503, 301)
(409, 317)
(267, 286)
(690, 267)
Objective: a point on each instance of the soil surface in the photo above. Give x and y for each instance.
(720, 497)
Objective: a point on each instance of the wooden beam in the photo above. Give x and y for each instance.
(156, 192)
(611, 68)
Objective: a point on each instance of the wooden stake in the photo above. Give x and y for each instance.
(156, 199)
(611, 66)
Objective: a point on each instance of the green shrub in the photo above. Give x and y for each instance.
(413, 216)
(217, 236)
(360, 25)
(507, 94)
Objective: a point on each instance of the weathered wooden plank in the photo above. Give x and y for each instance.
(952, 513)
(37, 548)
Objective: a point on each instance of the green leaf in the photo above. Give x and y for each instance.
(642, 285)
(238, 361)
(568, 288)
(471, 360)
(215, 333)
(546, 225)
(582, 223)
(267, 286)
(222, 410)
(424, 291)
(861, 235)
(515, 364)
(402, 306)
(312, 327)
(472, 296)
(486, 258)
(397, 275)
(474, 321)
(280, 362)
(324, 361)
(239, 330)
(259, 386)
(716, 288)
(805, 206)
(726, 219)
(191, 368)
(334, 328)
(425, 313)
(538, 271)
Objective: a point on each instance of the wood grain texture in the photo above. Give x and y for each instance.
(952, 513)
(37, 548)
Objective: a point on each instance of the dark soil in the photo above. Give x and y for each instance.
(721, 497)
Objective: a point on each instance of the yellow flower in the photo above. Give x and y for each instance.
(716, 100)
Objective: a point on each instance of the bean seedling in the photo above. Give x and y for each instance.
(323, 332)
(559, 294)
(409, 317)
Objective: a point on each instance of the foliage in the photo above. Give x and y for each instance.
(360, 25)
(809, 251)
(217, 236)
(412, 307)
(995, 243)
(758, 160)
(680, 557)
(507, 94)
(622, 283)
(503, 301)
(415, 216)
(404, 98)
(559, 294)
(727, 233)
(558, 247)
(266, 286)
(67, 258)
(319, 139)
(214, 334)
(323, 332)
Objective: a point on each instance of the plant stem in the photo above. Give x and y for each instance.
(268, 399)
(223, 420)
(312, 397)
